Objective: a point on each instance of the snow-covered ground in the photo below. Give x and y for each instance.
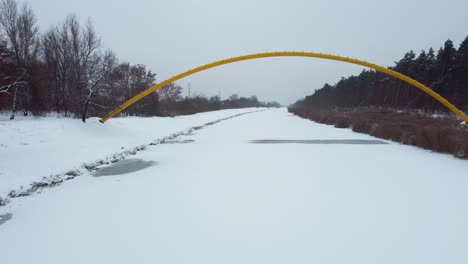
(216, 197)
(33, 148)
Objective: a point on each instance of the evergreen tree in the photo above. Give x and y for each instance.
(460, 65)
(445, 58)
(447, 73)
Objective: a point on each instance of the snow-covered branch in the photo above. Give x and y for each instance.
(17, 83)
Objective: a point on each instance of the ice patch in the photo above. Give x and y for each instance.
(5, 218)
(124, 167)
(319, 141)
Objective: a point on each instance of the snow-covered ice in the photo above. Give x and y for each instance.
(33, 148)
(219, 198)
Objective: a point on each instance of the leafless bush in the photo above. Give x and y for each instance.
(438, 133)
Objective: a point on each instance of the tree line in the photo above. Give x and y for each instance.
(445, 72)
(65, 69)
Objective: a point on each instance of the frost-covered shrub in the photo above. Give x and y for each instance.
(3, 201)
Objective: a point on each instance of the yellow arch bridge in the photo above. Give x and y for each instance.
(376, 67)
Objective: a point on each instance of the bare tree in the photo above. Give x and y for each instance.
(9, 23)
(28, 35)
(234, 97)
(70, 52)
(65, 70)
(141, 79)
(19, 26)
(170, 93)
(21, 29)
(15, 83)
(102, 68)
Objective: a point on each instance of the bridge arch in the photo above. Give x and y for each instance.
(376, 67)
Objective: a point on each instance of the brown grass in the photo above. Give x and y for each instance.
(441, 134)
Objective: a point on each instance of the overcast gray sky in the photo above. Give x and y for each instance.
(175, 35)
